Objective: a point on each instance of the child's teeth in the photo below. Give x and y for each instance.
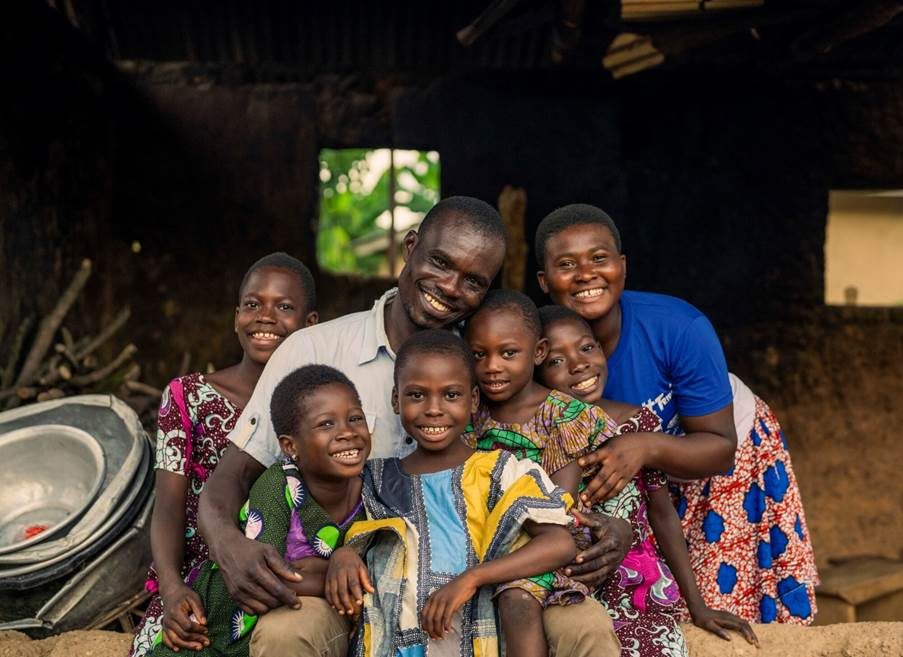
(596, 291)
(583, 385)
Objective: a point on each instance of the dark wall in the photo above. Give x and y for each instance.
(169, 181)
(716, 182)
(558, 137)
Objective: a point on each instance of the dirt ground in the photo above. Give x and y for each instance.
(849, 640)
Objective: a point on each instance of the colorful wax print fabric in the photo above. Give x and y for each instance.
(193, 423)
(280, 512)
(423, 530)
(562, 429)
(641, 596)
(749, 545)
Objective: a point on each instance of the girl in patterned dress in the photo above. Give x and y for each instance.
(548, 427)
(740, 505)
(302, 507)
(641, 596)
(197, 412)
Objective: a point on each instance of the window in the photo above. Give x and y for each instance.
(369, 200)
(864, 248)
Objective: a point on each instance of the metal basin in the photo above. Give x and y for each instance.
(50, 475)
(125, 449)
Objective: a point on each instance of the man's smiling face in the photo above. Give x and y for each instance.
(447, 272)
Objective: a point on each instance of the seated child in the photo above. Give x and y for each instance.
(302, 508)
(276, 297)
(443, 521)
(524, 417)
(641, 596)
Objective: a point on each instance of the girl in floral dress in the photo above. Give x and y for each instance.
(556, 429)
(197, 412)
(643, 596)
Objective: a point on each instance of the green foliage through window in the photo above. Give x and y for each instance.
(355, 217)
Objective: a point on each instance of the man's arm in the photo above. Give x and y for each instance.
(613, 537)
(255, 574)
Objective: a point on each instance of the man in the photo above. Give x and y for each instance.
(449, 266)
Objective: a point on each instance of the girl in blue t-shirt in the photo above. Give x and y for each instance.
(740, 506)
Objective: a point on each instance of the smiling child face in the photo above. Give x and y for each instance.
(435, 397)
(575, 364)
(506, 351)
(331, 440)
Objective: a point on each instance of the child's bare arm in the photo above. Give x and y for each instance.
(666, 526)
(568, 478)
(313, 574)
(550, 547)
(180, 601)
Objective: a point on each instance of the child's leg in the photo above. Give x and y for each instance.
(521, 618)
(314, 629)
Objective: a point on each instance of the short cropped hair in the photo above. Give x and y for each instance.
(484, 218)
(511, 300)
(287, 404)
(552, 313)
(282, 260)
(435, 341)
(575, 214)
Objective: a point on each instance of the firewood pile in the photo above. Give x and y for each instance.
(58, 364)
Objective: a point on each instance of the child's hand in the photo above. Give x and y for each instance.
(716, 622)
(346, 580)
(442, 605)
(184, 622)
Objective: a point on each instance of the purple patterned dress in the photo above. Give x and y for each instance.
(193, 425)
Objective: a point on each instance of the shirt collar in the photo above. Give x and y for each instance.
(375, 330)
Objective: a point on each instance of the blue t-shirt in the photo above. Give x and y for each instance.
(668, 359)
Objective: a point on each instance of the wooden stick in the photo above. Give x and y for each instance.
(53, 393)
(66, 353)
(132, 373)
(51, 323)
(25, 392)
(9, 392)
(105, 334)
(67, 339)
(15, 350)
(83, 380)
(143, 389)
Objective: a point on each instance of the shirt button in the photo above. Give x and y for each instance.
(253, 421)
(408, 440)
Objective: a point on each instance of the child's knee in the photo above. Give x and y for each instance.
(314, 629)
(516, 605)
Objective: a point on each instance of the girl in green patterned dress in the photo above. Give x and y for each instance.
(323, 432)
(548, 427)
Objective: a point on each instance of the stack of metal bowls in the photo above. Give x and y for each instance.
(76, 480)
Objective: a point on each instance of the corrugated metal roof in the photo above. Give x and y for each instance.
(418, 36)
(409, 35)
